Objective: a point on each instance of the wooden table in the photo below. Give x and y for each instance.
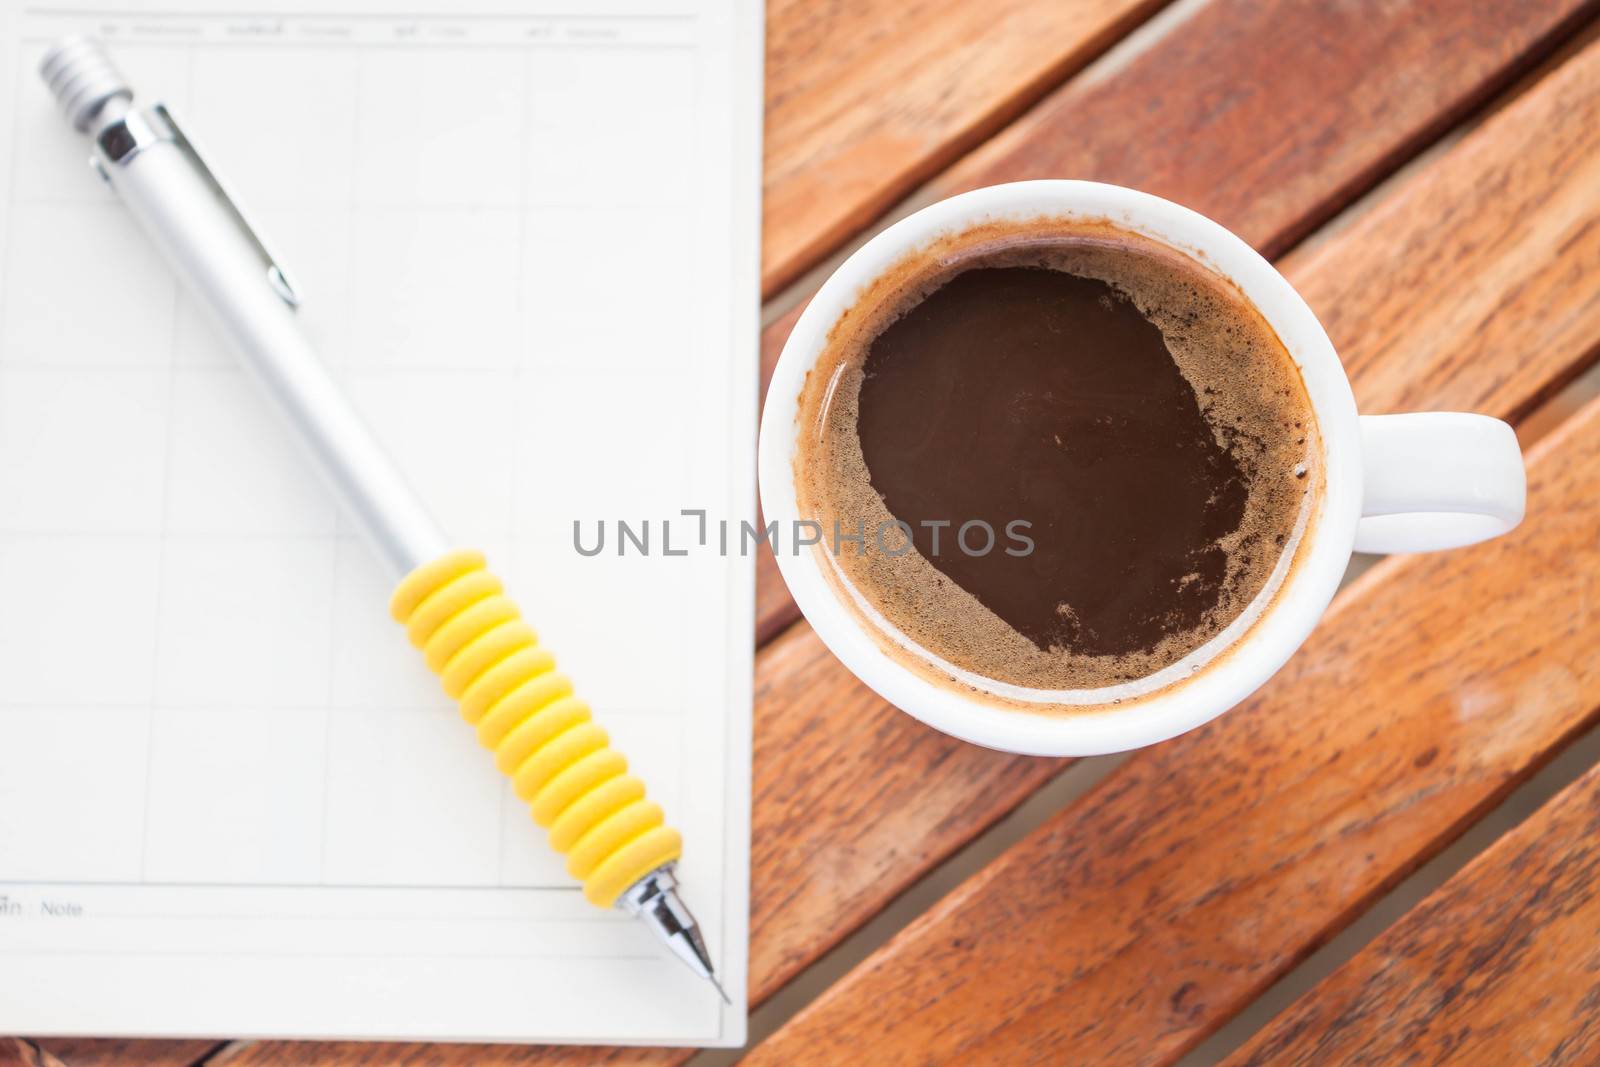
(1428, 174)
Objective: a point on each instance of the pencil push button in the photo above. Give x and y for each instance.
(542, 735)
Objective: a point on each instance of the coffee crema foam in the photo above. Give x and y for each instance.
(1243, 382)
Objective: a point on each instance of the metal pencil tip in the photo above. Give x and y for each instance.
(654, 898)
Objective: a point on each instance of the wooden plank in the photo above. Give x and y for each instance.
(867, 100)
(17, 1053)
(1500, 965)
(122, 1052)
(118, 1052)
(1266, 115)
(1135, 922)
(1329, 97)
(388, 1054)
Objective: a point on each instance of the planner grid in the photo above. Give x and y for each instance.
(494, 224)
(177, 473)
(513, 235)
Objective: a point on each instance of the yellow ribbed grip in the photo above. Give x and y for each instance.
(558, 760)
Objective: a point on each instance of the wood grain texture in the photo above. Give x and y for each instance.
(1264, 130)
(1509, 210)
(851, 798)
(1498, 252)
(1532, 169)
(860, 851)
(391, 1054)
(1329, 97)
(866, 100)
(1500, 965)
(1135, 922)
(117, 1052)
(1473, 286)
(17, 1053)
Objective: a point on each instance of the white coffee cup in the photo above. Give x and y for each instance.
(1392, 483)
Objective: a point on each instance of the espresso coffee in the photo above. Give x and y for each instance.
(1056, 456)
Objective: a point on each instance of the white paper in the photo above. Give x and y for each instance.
(233, 801)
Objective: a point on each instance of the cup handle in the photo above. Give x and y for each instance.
(1438, 480)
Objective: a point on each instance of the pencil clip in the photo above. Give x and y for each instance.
(138, 130)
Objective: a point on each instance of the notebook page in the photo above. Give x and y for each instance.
(232, 799)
